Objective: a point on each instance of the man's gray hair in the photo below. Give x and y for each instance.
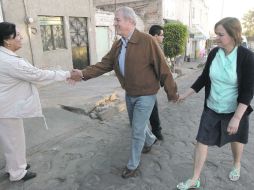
(128, 13)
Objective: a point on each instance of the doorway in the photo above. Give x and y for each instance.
(102, 41)
(79, 42)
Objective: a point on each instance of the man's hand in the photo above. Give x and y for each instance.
(176, 98)
(76, 75)
(181, 98)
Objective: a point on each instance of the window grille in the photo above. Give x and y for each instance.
(52, 33)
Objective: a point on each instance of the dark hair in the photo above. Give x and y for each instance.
(7, 29)
(233, 27)
(155, 29)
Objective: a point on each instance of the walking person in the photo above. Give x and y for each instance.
(157, 32)
(228, 78)
(19, 98)
(140, 67)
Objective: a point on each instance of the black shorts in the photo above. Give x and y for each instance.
(213, 129)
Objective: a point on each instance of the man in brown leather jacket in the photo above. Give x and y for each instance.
(140, 66)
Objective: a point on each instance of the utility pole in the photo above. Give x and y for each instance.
(190, 13)
(115, 38)
(29, 29)
(188, 45)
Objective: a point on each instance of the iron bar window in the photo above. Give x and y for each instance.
(52, 33)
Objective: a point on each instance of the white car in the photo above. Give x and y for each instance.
(244, 41)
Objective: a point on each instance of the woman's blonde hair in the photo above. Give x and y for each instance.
(233, 27)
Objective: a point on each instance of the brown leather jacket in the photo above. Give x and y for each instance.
(145, 67)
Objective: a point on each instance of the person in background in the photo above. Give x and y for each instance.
(228, 78)
(140, 67)
(157, 32)
(19, 98)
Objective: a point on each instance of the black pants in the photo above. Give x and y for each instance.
(154, 118)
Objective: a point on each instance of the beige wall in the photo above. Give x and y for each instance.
(17, 10)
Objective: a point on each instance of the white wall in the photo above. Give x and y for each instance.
(169, 9)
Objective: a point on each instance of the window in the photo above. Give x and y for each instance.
(52, 33)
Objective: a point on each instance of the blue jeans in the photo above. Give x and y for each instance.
(139, 110)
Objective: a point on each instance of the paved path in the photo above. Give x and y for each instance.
(80, 153)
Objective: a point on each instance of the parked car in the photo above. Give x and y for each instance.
(244, 42)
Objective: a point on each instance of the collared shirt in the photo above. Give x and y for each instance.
(224, 87)
(7, 51)
(121, 58)
(19, 97)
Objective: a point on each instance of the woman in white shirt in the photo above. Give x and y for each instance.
(19, 98)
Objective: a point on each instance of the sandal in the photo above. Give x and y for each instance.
(189, 184)
(234, 174)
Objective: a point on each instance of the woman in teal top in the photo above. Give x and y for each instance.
(228, 78)
(224, 88)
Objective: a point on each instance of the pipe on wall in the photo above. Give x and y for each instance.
(29, 29)
(1, 4)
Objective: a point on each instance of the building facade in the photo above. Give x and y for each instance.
(193, 13)
(149, 11)
(105, 32)
(56, 34)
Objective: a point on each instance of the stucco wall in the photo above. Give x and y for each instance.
(17, 10)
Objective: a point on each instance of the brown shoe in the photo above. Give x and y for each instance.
(129, 173)
(147, 149)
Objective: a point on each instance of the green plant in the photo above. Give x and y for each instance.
(175, 38)
(248, 23)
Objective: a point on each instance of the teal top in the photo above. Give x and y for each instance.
(224, 87)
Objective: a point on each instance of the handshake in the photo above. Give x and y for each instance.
(76, 75)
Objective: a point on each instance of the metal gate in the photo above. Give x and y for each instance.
(79, 42)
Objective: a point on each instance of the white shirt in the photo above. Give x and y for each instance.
(19, 97)
(121, 58)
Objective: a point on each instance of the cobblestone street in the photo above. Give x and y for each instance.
(79, 152)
